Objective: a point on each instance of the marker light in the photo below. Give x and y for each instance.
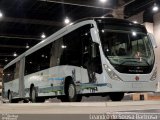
(134, 33)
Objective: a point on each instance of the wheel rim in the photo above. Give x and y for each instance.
(10, 97)
(71, 91)
(33, 95)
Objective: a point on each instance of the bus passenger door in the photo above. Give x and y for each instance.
(86, 55)
(91, 63)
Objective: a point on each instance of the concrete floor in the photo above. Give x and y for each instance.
(79, 111)
(78, 108)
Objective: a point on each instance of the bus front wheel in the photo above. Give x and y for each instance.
(117, 96)
(10, 97)
(71, 94)
(33, 95)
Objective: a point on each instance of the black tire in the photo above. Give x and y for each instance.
(71, 93)
(34, 96)
(117, 96)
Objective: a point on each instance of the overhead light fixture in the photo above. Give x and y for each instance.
(8, 74)
(42, 55)
(134, 33)
(103, 1)
(6, 60)
(1, 14)
(67, 20)
(15, 54)
(27, 46)
(63, 46)
(155, 8)
(102, 31)
(135, 22)
(43, 36)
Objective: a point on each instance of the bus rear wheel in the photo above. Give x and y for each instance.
(116, 96)
(71, 94)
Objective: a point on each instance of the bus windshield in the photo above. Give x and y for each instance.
(128, 51)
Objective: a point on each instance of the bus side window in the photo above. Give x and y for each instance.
(9, 73)
(86, 38)
(16, 70)
(56, 52)
(39, 60)
(72, 49)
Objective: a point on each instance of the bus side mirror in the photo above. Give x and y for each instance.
(152, 40)
(94, 49)
(94, 35)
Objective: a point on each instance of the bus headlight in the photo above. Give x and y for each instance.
(111, 73)
(154, 75)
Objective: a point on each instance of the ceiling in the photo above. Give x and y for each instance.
(24, 21)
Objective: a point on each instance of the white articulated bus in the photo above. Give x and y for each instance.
(94, 56)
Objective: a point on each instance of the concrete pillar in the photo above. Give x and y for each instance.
(138, 17)
(156, 30)
(118, 13)
(149, 27)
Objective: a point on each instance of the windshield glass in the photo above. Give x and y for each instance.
(128, 51)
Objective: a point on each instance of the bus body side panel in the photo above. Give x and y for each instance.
(91, 84)
(71, 71)
(47, 82)
(10, 86)
(50, 82)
